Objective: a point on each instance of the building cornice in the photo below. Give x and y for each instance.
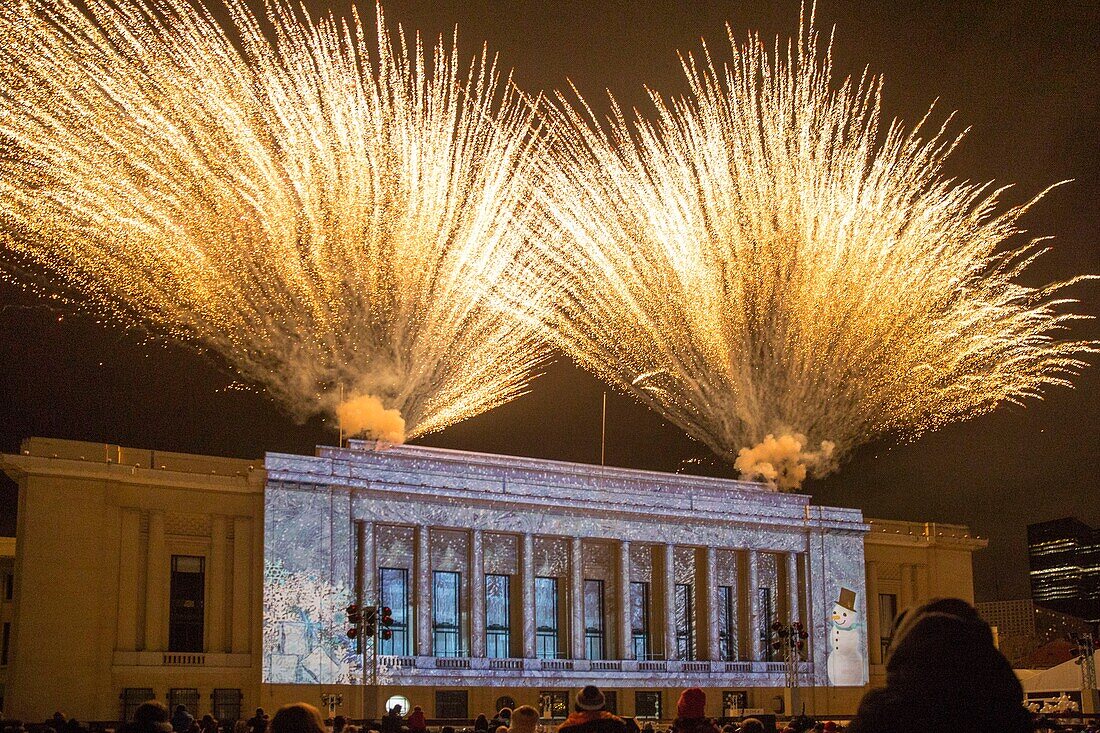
(21, 466)
(435, 476)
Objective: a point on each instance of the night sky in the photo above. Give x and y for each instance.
(1022, 75)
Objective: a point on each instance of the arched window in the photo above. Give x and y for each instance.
(398, 700)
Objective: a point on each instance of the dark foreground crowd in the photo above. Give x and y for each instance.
(943, 675)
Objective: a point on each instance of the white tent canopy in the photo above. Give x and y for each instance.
(1063, 678)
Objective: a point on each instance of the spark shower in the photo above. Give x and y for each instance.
(330, 218)
(395, 239)
(782, 275)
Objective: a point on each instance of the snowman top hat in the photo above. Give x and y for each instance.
(847, 599)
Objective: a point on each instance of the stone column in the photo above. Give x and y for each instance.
(905, 597)
(668, 573)
(576, 592)
(215, 603)
(129, 551)
(477, 593)
(794, 611)
(242, 583)
(813, 618)
(710, 593)
(756, 644)
(366, 566)
(527, 580)
(819, 602)
(423, 633)
(626, 632)
(156, 585)
(874, 631)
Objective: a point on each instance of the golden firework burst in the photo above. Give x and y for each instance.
(322, 212)
(783, 276)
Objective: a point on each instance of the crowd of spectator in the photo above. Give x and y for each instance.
(943, 675)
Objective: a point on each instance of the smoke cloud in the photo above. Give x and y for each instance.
(366, 416)
(783, 463)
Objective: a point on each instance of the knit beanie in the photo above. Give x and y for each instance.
(524, 720)
(590, 698)
(692, 703)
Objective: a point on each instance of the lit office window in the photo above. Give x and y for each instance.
(498, 625)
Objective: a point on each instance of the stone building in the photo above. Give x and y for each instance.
(223, 583)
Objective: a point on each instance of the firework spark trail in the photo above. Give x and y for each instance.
(766, 268)
(319, 212)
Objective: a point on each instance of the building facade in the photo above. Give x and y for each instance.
(1064, 559)
(223, 584)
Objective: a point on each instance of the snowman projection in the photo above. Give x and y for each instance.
(846, 664)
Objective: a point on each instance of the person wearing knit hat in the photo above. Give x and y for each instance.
(525, 719)
(691, 713)
(589, 715)
(944, 674)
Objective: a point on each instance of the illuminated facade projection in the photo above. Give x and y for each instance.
(518, 572)
(511, 580)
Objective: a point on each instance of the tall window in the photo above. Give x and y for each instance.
(185, 610)
(727, 624)
(6, 644)
(765, 629)
(546, 617)
(593, 619)
(647, 704)
(185, 696)
(685, 622)
(9, 586)
(226, 704)
(554, 704)
(446, 614)
(452, 704)
(733, 702)
(611, 701)
(887, 611)
(498, 631)
(639, 619)
(131, 698)
(394, 584)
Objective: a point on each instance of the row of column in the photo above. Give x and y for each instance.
(364, 584)
(223, 555)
